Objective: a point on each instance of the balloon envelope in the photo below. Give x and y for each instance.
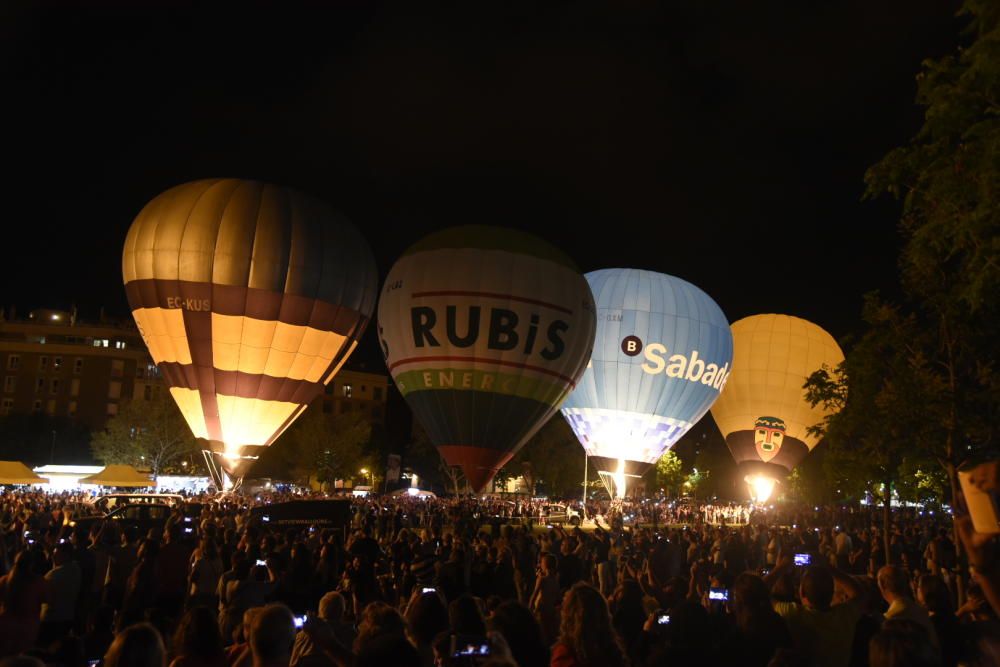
(485, 331)
(763, 413)
(662, 354)
(249, 297)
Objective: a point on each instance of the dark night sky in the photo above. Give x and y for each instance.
(724, 143)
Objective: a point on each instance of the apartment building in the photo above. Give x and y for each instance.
(55, 364)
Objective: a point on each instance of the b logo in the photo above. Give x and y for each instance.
(631, 345)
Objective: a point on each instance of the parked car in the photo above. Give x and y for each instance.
(111, 501)
(559, 513)
(143, 516)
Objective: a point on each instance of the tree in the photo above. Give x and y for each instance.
(556, 458)
(947, 177)
(696, 482)
(669, 472)
(875, 401)
(145, 433)
(321, 446)
(425, 458)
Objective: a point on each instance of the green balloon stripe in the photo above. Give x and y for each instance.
(544, 390)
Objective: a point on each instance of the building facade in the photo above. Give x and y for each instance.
(51, 363)
(54, 365)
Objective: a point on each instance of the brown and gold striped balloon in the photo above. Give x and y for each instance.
(250, 297)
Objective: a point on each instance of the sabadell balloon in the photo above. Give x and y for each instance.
(662, 354)
(763, 413)
(249, 297)
(485, 331)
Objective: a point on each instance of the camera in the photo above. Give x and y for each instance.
(188, 530)
(718, 594)
(187, 519)
(803, 560)
(265, 518)
(300, 620)
(261, 562)
(662, 619)
(428, 589)
(473, 647)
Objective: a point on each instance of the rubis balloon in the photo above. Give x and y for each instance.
(661, 356)
(763, 413)
(485, 331)
(249, 297)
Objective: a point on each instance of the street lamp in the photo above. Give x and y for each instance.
(364, 471)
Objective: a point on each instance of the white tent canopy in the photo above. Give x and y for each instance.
(15, 472)
(414, 493)
(118, 475)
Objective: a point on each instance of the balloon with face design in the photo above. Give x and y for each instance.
(763, 412)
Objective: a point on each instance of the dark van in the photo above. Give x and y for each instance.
(334, 514)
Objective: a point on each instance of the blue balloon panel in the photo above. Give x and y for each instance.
(662, 354)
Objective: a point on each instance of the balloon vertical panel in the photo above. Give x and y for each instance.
(485, 331)
(662, 353)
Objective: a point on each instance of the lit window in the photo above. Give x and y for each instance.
(43, 363)
(5, 406)
(56, 363)
(50, 408)
(10, 384)
(13, 362)
(77, 365)
(348, 391)
(112, 409)
(71, 411)
(115, 390)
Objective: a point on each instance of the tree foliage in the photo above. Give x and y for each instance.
(425, 459)
(555, 459)
(146, 433)
(670, 473)
(323, 447)
(947, 178)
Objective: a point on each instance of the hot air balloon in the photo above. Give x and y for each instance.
(249, 297)
(485, 331)
(763, 413)
(661, 356)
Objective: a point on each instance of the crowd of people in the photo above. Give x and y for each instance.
(466, 581)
